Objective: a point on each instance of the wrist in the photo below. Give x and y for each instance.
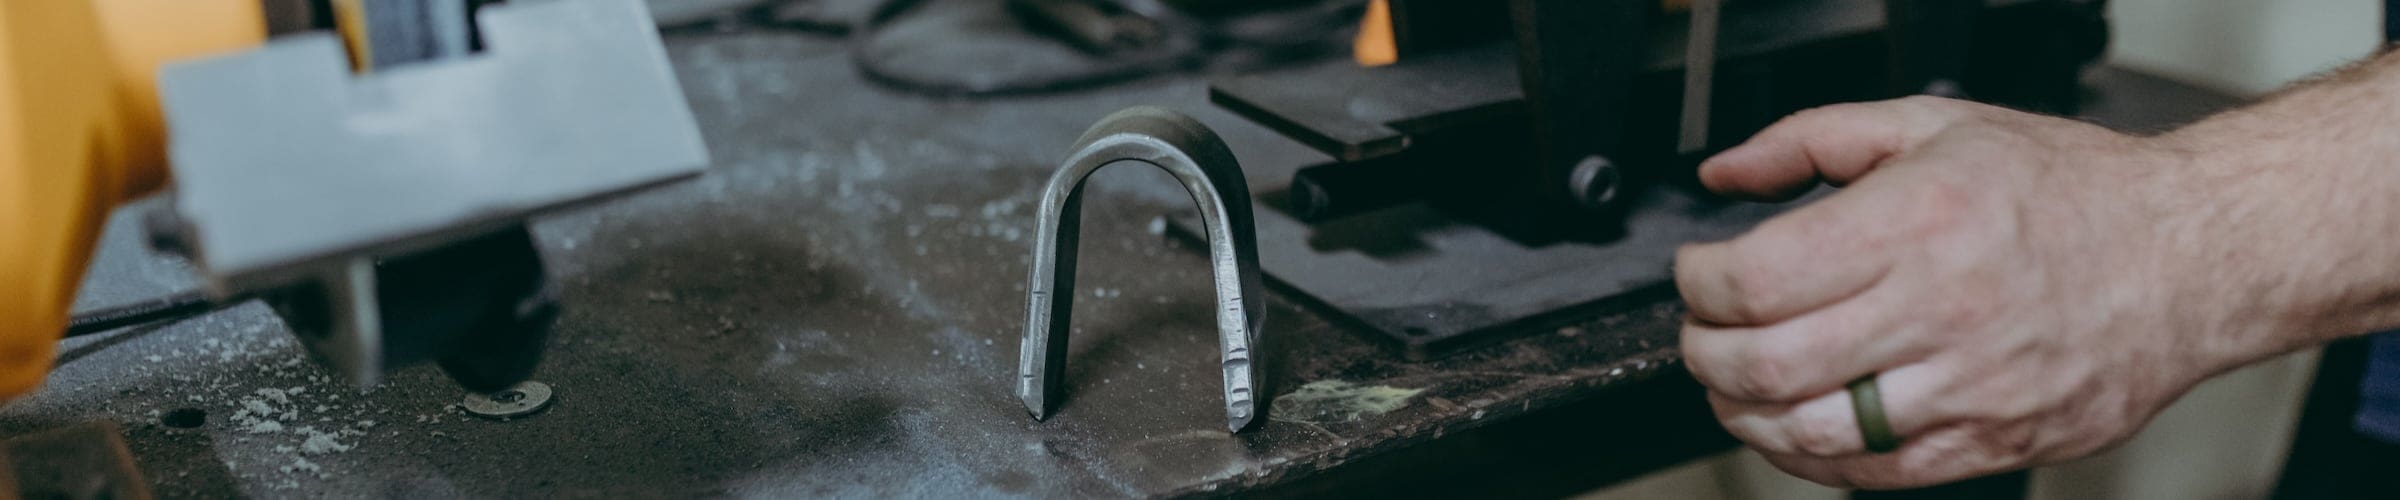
(2279, 241)
(2218, 300)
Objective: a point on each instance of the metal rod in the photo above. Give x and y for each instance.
(1699, 69)
(1206, 168)
(171, 307)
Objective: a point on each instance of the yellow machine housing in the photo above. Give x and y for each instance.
(80, 132)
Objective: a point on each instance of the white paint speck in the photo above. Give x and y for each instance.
(263, 426)
(321, 443)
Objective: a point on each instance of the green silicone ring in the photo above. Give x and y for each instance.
(1867, 400)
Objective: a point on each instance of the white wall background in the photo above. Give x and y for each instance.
(2242, 46)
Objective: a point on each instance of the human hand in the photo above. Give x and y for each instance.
(2029, 290)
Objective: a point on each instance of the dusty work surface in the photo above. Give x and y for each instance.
(832, 310)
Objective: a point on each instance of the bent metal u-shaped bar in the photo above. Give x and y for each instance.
(1201, 162)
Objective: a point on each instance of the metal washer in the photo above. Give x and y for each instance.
(526, 398)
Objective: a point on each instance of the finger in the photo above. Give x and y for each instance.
(1796, 262)
(1826, 426)
(1811, 355)
(1942, 455)
(1805, 356)
(1837, 143)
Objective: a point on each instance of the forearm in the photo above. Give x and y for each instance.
(2287, 216)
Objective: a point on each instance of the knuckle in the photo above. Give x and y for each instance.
(1768, 378)
(1746, 425)
(1710, 362)
(1767, 443)
(1830, 113)
(1820, 437)
(1751, 293)
(1702, 356)
(1757, 438)
(1718, 284)
(1753, 289)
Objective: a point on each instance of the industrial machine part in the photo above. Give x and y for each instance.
(1528, 162)
(383, 213)
(1576, 61)
(145, 312)
(1699, 73)
(1559, 72)
(1201, 162)
(481, 307)
(288, 165)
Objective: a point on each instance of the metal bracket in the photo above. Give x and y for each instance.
(1201, 162)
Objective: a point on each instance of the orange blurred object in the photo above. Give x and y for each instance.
(80, 132)
(1375, 46)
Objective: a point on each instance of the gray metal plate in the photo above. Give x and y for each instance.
(284, 159)
(1371, 116)
(1430, 284)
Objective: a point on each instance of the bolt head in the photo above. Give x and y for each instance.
(1595, 182)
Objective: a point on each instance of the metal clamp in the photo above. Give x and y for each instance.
(1201, 162)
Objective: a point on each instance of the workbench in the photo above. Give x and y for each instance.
(834, 308)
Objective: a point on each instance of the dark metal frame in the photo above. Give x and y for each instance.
(1557, 125)
(1583, 63)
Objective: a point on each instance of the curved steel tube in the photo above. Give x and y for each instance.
(1201, 162)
